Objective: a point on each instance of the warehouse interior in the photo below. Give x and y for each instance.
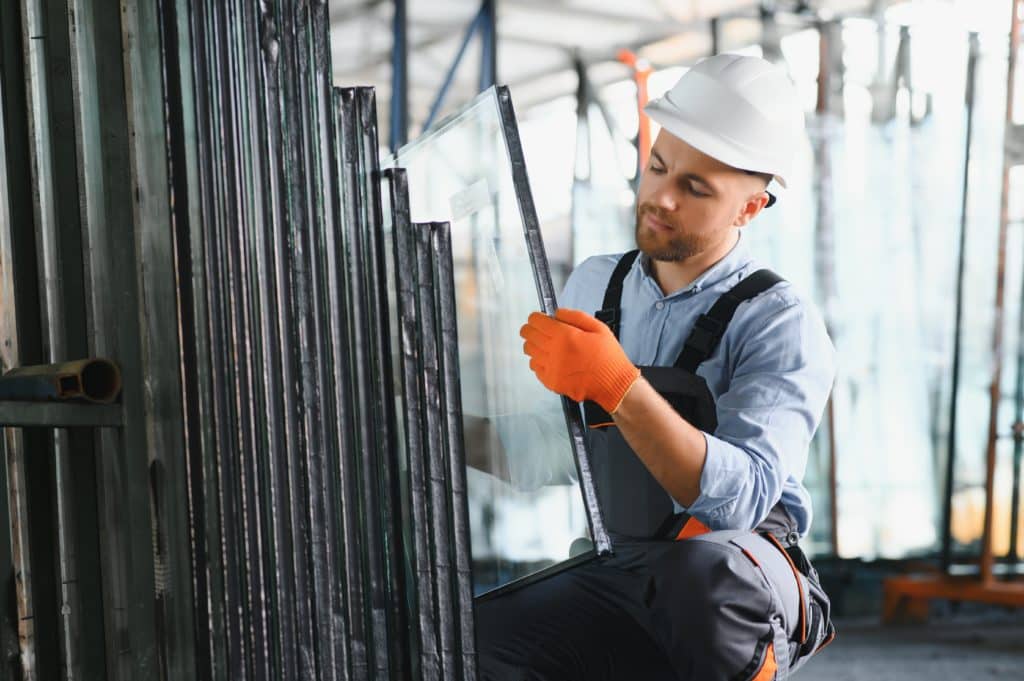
(265, 408)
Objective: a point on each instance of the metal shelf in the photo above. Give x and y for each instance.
(60, 415)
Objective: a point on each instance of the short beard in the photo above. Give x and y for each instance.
(677, 248)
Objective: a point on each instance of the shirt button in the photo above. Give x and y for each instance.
(659, 305)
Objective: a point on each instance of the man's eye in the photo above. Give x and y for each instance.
(697, 192)
(657, 169)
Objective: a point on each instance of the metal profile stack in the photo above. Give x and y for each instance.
(183, 190)
(295, 489)
(296, 496)
(439, 526)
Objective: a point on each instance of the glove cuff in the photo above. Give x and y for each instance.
(615, 381)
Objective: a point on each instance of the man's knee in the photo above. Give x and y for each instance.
(716, 607)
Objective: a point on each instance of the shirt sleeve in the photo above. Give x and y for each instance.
(782, 376)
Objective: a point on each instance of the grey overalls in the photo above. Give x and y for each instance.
(724, 605)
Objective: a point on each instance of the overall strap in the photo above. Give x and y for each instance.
(709, 328)
(609, 312)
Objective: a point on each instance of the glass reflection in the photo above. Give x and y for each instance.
(526, 508)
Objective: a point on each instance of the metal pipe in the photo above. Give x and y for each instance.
(1018, 431)
(995, 389)
(49, 254)
(947, 536)
(825, 239)
(93, 380)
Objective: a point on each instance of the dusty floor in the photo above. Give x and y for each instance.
(955, 646)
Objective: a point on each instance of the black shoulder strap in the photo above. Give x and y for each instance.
(710, 327)
(609, 312)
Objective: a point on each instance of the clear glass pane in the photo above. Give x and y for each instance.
(526, 508)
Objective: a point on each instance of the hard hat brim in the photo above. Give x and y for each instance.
(718, 147)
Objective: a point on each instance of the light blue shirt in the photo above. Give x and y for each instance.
(770, 377)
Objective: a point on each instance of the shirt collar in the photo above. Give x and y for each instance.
(731, 263)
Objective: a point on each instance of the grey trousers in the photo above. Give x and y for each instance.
(718, 606)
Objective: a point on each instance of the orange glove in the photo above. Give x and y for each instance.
(576, 355)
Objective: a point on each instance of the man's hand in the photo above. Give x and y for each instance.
(576, 355)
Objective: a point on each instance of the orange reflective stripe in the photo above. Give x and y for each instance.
(768, 668)
(603, 425)
(692, 528)
(749, 555)
(799, 587)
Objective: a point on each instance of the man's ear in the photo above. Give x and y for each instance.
(753, 205)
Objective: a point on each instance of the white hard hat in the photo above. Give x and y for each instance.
(742, 111)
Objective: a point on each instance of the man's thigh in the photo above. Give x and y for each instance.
(574, 625)
(725, 605)
(722, 606)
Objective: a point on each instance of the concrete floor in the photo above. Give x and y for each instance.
(983, 646)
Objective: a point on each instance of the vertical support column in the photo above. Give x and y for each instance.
(152, 460)
(17, 629)
(39, 47)
(947, 511)
(995, 389)
(92, 56)
(488, 44)
(583, 161)
(828, 111)
(771, 40)
(399, 127)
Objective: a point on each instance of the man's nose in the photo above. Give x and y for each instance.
(665, 197)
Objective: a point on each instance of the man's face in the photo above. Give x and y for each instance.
(688, 202)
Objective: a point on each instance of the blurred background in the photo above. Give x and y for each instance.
(192, 199)
(870, 228)
(904, 225)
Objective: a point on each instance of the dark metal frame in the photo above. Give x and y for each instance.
(411, 363)
(409, 335)
(434, 451)
(444, 283)
(548, 302)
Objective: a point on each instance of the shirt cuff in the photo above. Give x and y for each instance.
(725, 467)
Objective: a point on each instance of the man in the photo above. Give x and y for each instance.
(703, 380)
